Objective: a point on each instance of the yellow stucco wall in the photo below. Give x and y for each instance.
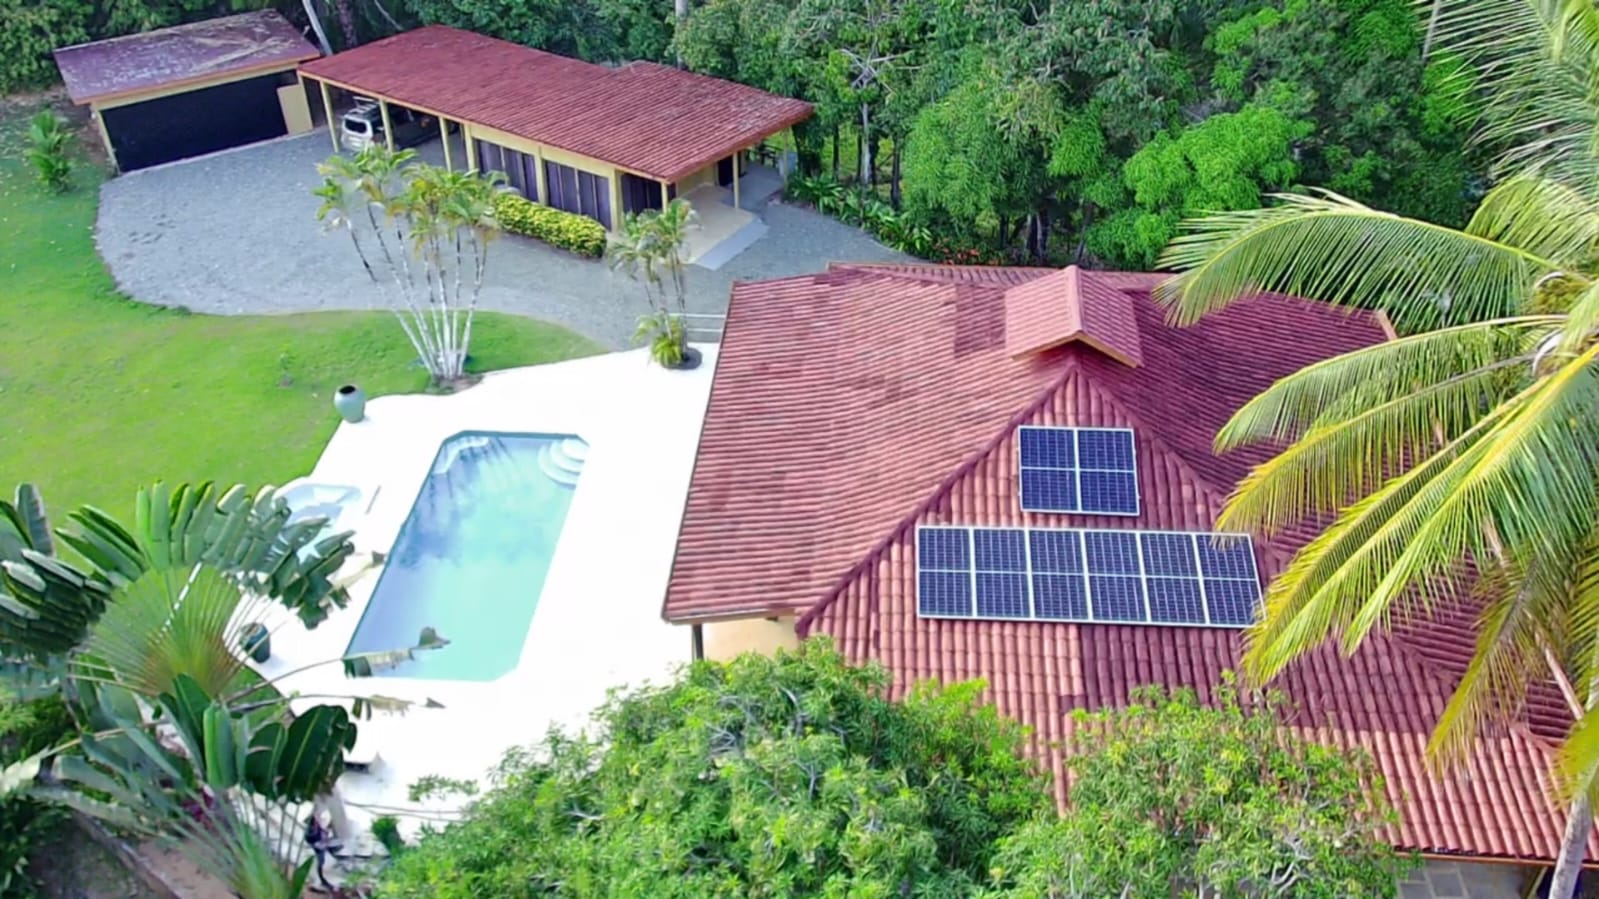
(727, 639)
(706, 175)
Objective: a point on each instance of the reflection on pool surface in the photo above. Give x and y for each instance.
(471, 557)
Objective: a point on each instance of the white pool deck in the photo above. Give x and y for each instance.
(597, 624)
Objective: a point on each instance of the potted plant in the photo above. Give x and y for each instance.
(350, 402)
(667, 339)
(256, 641)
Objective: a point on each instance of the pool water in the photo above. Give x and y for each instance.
(471, 557)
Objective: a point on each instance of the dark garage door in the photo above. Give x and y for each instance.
(196, 122)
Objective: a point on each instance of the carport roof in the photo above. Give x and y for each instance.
(196, 54)
(648, 118)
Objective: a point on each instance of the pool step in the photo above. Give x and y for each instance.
(458, 447)
(563, 462)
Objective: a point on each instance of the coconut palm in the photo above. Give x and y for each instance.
(1459, 462)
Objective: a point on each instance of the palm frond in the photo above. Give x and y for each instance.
(1526, 469)
(1318, 393)
(1330, 248)
(1540, 216)
(1534, 63)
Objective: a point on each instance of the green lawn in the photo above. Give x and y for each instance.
(99, 395)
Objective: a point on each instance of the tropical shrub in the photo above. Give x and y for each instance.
(569, 231)
(665, 335)
(26, 728)
(48, 145)
(781, 777)
(30, 30)
(386, 829)
(900, 229)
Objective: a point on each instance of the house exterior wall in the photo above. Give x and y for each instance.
(706, 175)
(1440, 879)
(725, 640)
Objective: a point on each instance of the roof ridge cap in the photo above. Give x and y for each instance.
(802, 624)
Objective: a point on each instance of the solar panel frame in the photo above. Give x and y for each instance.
(1065, 569)
(1032, 455)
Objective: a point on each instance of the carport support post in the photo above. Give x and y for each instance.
(105, 136)
(327, 112)
(388, 127)
(444, 135)
(539, 177)
(736, 155)
(665, 194)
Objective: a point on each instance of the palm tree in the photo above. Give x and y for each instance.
(430, 229)
(1459, 462)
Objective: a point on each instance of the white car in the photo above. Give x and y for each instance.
(362, 126)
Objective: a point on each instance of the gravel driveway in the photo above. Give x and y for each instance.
(236, 233)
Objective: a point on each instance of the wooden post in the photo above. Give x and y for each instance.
(471, 146)
(539, 177)
(444, 135)
(105, 136)
(388, 127)
(736, 155)
(665, 194)
(327, 112)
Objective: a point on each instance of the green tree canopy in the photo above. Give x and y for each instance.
(1170, 797)
(793, 776)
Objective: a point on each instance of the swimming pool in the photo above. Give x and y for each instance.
(471, 557)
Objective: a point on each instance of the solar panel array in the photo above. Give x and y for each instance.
(1089, 470)
(1122, 576)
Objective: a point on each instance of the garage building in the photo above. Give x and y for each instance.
(191, 89)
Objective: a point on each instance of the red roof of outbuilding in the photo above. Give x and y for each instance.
(184, 54)
(851, 407)
(652, 119)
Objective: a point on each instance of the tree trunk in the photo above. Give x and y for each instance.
(866, 145)
(893, 182)
(835, 152)
(1573, 847)
(346, 14)
(321, 33)
(682, 9)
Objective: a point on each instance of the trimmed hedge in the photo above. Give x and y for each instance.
(569, 231)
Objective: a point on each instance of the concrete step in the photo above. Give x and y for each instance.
(554, 470)
(732, 245)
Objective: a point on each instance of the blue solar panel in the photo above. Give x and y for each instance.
(1074, 575)
(1175, 600)
(1060, 597)
(1000, 550)
(1117, 598)
(1049, 490)
(1112, 492)
(1168, 555)
(1106, 450)
(1111, 552)
(945, 549)
(946, 593)
(1002, 595)
(1047, 448)
(1056, 551)
(1078, 470)
(1230, 558)
(1232, 603)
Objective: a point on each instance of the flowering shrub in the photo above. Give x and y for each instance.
(569, 231)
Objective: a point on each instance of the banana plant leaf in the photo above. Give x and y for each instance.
(48, 604)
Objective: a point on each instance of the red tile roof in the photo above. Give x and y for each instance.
(652, 119)
(1065, 306)
(195, 53)
(851, 407)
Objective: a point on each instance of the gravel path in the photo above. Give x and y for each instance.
(236, 233)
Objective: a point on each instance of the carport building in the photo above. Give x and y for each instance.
(597, 140)
(191, 89)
